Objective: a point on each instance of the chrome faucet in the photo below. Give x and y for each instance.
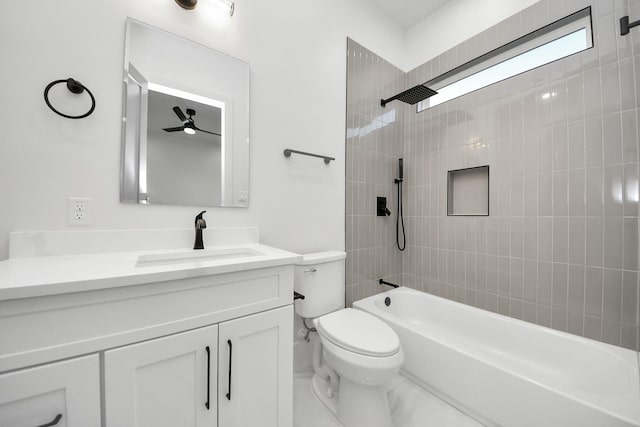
(200, 224)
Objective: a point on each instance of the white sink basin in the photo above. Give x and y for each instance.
(193, 256)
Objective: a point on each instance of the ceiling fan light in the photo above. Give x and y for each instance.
(189, 130)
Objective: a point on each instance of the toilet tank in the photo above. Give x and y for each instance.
(320, 278)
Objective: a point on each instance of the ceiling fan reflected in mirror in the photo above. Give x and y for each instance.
(188, 124)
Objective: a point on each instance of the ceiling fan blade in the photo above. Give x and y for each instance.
(180, 114)
(176, 129)
(206, 131)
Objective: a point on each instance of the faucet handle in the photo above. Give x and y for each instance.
(199, 221)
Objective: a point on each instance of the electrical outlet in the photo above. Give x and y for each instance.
(79, 211)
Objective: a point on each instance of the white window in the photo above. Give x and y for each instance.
(558, 40)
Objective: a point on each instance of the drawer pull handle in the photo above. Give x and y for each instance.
(230, 354)
(55, 421)
(208, 377)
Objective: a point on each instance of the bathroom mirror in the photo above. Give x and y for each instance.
(185, 122)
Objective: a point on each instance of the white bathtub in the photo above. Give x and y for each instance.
(506, 372)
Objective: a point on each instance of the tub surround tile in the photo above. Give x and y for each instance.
(593, 141)
(575, 98)
(611, 331)
(543, 316)
(630, 249)
(593, 292)
(559, 320)
(576, 289)
(612, 128)
(371, 166)
(611, 99)
(577, 207)
(593, 327)
(560, 285)
(576, 143)
(560, 247)
(612, 295)
(629, 298)
(628, 336)
(630, 190)
(592, 90)
(613, 242)
(560, 239)
(595, 241)
(577, 240)
(575, 323)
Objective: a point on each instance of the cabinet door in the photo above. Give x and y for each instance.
(68, 392)
(256, 370)
(166, 382)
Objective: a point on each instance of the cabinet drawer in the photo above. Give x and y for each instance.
(36, 330)
(68, 391)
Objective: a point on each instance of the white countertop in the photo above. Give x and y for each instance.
(25, 277)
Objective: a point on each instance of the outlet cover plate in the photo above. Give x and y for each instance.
(79, 211)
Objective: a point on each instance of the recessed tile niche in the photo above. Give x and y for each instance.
(468, 192)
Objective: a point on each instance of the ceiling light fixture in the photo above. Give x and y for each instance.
(191, 4)
(187, 4)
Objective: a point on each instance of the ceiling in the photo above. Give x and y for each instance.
(407, 13)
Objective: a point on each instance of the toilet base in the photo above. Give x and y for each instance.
(321, 390)
(356, 405)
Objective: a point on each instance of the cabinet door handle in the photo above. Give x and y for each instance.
(54, 422)
(208, 377)
(230, 354)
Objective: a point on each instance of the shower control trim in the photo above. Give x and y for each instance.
(381, 207)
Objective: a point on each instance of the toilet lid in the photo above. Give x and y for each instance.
(359, 332)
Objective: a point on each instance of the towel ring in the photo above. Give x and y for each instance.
(74, 86)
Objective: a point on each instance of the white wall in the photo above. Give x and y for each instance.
(453, 23)
(297, 54)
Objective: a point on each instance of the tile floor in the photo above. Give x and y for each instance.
(411, 406)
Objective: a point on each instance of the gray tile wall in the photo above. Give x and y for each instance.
(560, 247)
(374, 139)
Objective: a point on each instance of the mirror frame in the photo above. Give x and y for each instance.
(235, 95)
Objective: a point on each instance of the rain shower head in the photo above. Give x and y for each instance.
(411, 96)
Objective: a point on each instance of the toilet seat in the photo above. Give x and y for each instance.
(359, 332)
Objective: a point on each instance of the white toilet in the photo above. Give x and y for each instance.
(356, 354)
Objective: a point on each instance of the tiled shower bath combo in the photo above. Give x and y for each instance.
(560, 245)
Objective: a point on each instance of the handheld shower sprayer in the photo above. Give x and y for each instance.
(399, 218)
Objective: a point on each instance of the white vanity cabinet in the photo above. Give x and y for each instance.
(255, 376)
(235, 374)
(165, 382)
(64, 394)
(165, 339)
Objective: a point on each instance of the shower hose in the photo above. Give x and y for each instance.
(400, 219)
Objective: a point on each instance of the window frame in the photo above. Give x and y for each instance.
(567, 26)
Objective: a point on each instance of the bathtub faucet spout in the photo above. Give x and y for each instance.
(393, 285)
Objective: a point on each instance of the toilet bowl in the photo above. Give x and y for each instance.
(355, 354)
(365, 353)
